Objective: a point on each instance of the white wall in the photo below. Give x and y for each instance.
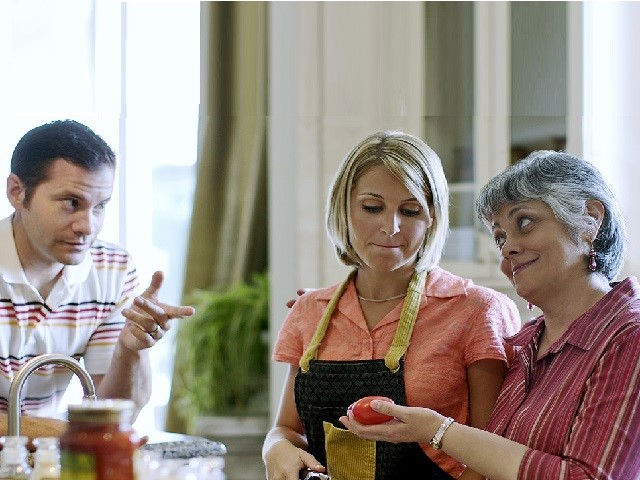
(612, 107)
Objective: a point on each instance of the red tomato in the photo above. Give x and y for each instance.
(363, 412)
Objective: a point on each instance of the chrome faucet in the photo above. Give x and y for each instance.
(13, 413)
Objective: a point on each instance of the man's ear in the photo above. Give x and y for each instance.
(16, 191)
(595, 209)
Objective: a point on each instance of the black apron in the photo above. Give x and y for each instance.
(324, 389)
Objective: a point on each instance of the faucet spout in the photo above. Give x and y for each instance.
(13, 413)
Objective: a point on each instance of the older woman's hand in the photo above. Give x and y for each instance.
(411, 424)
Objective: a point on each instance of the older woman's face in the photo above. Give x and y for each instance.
(538, 255)
(388, 224)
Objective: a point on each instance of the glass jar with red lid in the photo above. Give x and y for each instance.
(99, 443)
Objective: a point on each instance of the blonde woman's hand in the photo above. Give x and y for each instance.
(284, 461)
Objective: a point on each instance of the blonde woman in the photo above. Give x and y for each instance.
(399, 326)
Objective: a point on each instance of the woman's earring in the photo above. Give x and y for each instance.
(530, 306)
(592, 259)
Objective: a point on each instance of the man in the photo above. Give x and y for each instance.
(61, 289)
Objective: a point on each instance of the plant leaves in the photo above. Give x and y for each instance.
(222, 355)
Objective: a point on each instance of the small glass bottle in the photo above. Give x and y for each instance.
(46, 459)
(14, 464)
(99, 443)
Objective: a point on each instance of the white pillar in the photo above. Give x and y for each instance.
(612, 107)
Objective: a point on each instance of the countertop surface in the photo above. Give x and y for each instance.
(177, 445)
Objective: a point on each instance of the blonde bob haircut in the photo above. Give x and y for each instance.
(419, 169)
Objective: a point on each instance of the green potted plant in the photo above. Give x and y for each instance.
(222, 356)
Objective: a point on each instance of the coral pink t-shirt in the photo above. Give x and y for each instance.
(458, 324)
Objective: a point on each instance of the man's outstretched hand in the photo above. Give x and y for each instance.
(149, 319)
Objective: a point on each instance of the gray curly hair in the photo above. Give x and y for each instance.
(564, 183)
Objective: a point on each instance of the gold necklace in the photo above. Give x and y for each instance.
(382, 300)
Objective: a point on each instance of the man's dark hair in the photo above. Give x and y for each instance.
(74, 142)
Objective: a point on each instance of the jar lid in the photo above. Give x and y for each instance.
(96, 411)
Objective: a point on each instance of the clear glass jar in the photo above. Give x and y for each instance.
(46, 459)
(14, 464)
(152, 467)
(99, 443)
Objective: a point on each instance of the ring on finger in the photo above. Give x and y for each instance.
(154, 331)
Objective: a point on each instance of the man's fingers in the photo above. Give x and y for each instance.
(177, 312)
(156, 282)
(162, 311)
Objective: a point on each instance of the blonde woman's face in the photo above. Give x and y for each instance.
(388, 224)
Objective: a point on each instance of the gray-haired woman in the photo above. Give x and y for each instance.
(570, 405)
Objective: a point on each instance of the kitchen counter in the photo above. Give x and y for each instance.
(176, 445)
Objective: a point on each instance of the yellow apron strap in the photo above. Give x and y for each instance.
(312, 350)
(403, 333)
(408, 317)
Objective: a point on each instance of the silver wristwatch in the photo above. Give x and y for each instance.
(436, 441)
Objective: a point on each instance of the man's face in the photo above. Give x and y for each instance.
(63, 215)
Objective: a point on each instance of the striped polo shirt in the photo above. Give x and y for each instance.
(81, 318)
(577, 407)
